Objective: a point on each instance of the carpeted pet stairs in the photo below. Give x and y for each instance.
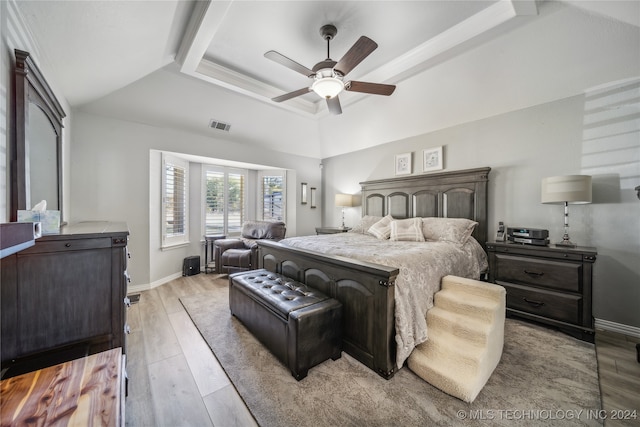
(466, 335)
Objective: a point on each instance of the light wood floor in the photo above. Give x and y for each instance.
(619, 373)
(174, 379)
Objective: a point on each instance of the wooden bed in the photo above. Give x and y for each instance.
(366, 290)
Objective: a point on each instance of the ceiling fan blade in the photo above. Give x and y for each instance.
(291, 94)
(360, 50)
(372, 88)
(289, 63)
(334, 105)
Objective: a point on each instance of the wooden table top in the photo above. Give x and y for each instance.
(81, 392)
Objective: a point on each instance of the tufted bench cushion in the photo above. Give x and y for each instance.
(300, 325)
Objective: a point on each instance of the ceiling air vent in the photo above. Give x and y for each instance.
(214, 124)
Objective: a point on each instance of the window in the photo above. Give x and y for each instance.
(175, 218)
(272, 194)
(225, 200)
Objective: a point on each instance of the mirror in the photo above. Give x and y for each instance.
(43, 159)
(37, 140)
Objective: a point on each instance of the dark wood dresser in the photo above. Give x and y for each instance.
(64, 297)
(548, 284)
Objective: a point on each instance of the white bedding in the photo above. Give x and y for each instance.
(421, 264)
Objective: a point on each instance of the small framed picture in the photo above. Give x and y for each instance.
(432, 159)
(403, 164)
(313, 197)
(303, 194)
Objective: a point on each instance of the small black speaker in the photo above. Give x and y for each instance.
(191, 266)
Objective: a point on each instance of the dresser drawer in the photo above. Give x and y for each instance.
(559, 275)
(68, 245)
(537, 251)
(549, 304)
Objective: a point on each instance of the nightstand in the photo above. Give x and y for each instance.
(546, 284)
(331, 230)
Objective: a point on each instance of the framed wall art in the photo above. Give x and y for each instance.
(432, 159)
(403, 164)
(312, 197)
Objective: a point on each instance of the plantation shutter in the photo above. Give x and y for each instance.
(235, 203)
(272, 197)
(174, 200)
(225, 199)
(215, 202)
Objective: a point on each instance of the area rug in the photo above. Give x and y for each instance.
(544, 377)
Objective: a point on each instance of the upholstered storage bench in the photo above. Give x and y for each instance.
(300, 325)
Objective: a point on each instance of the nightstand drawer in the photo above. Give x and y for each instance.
(516, 249)
(539, 272)
(553, 305)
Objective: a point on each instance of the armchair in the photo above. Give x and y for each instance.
(233, 255)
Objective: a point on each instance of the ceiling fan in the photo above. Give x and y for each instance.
(328, 75)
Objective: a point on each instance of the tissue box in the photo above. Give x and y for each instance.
(50, 220)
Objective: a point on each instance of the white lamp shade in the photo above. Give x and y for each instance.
(328, 87)
(344, 200)
(575, 189)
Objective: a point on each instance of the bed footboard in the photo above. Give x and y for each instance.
(365, 290)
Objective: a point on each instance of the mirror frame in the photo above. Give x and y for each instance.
(31, 87)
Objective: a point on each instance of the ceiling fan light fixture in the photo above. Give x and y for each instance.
(328, 87)
(328, 75)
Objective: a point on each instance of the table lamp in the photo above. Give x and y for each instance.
(344, 201)
(574, 189)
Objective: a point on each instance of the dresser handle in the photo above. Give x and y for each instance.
(533, 303)
(535, 273)
(67, 245)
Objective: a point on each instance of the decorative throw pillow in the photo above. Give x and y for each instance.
(364, 224)
(409, 230)
(456, 230)
(382, 228)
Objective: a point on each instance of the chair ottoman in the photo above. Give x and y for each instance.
(301, 326)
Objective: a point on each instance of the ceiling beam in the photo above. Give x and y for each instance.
(202, 28)
(525, 7)
(203, 25)
(208, 15)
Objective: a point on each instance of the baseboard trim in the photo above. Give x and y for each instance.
(136, 289)
(617, 327)
(148, 286)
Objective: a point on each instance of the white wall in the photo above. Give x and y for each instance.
(569, 136)
(115, 175)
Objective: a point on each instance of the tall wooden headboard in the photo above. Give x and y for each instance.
(456, 194)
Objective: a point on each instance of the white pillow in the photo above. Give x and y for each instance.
(382, 228)
(409, 230)
(364, 224)
(456, 230)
